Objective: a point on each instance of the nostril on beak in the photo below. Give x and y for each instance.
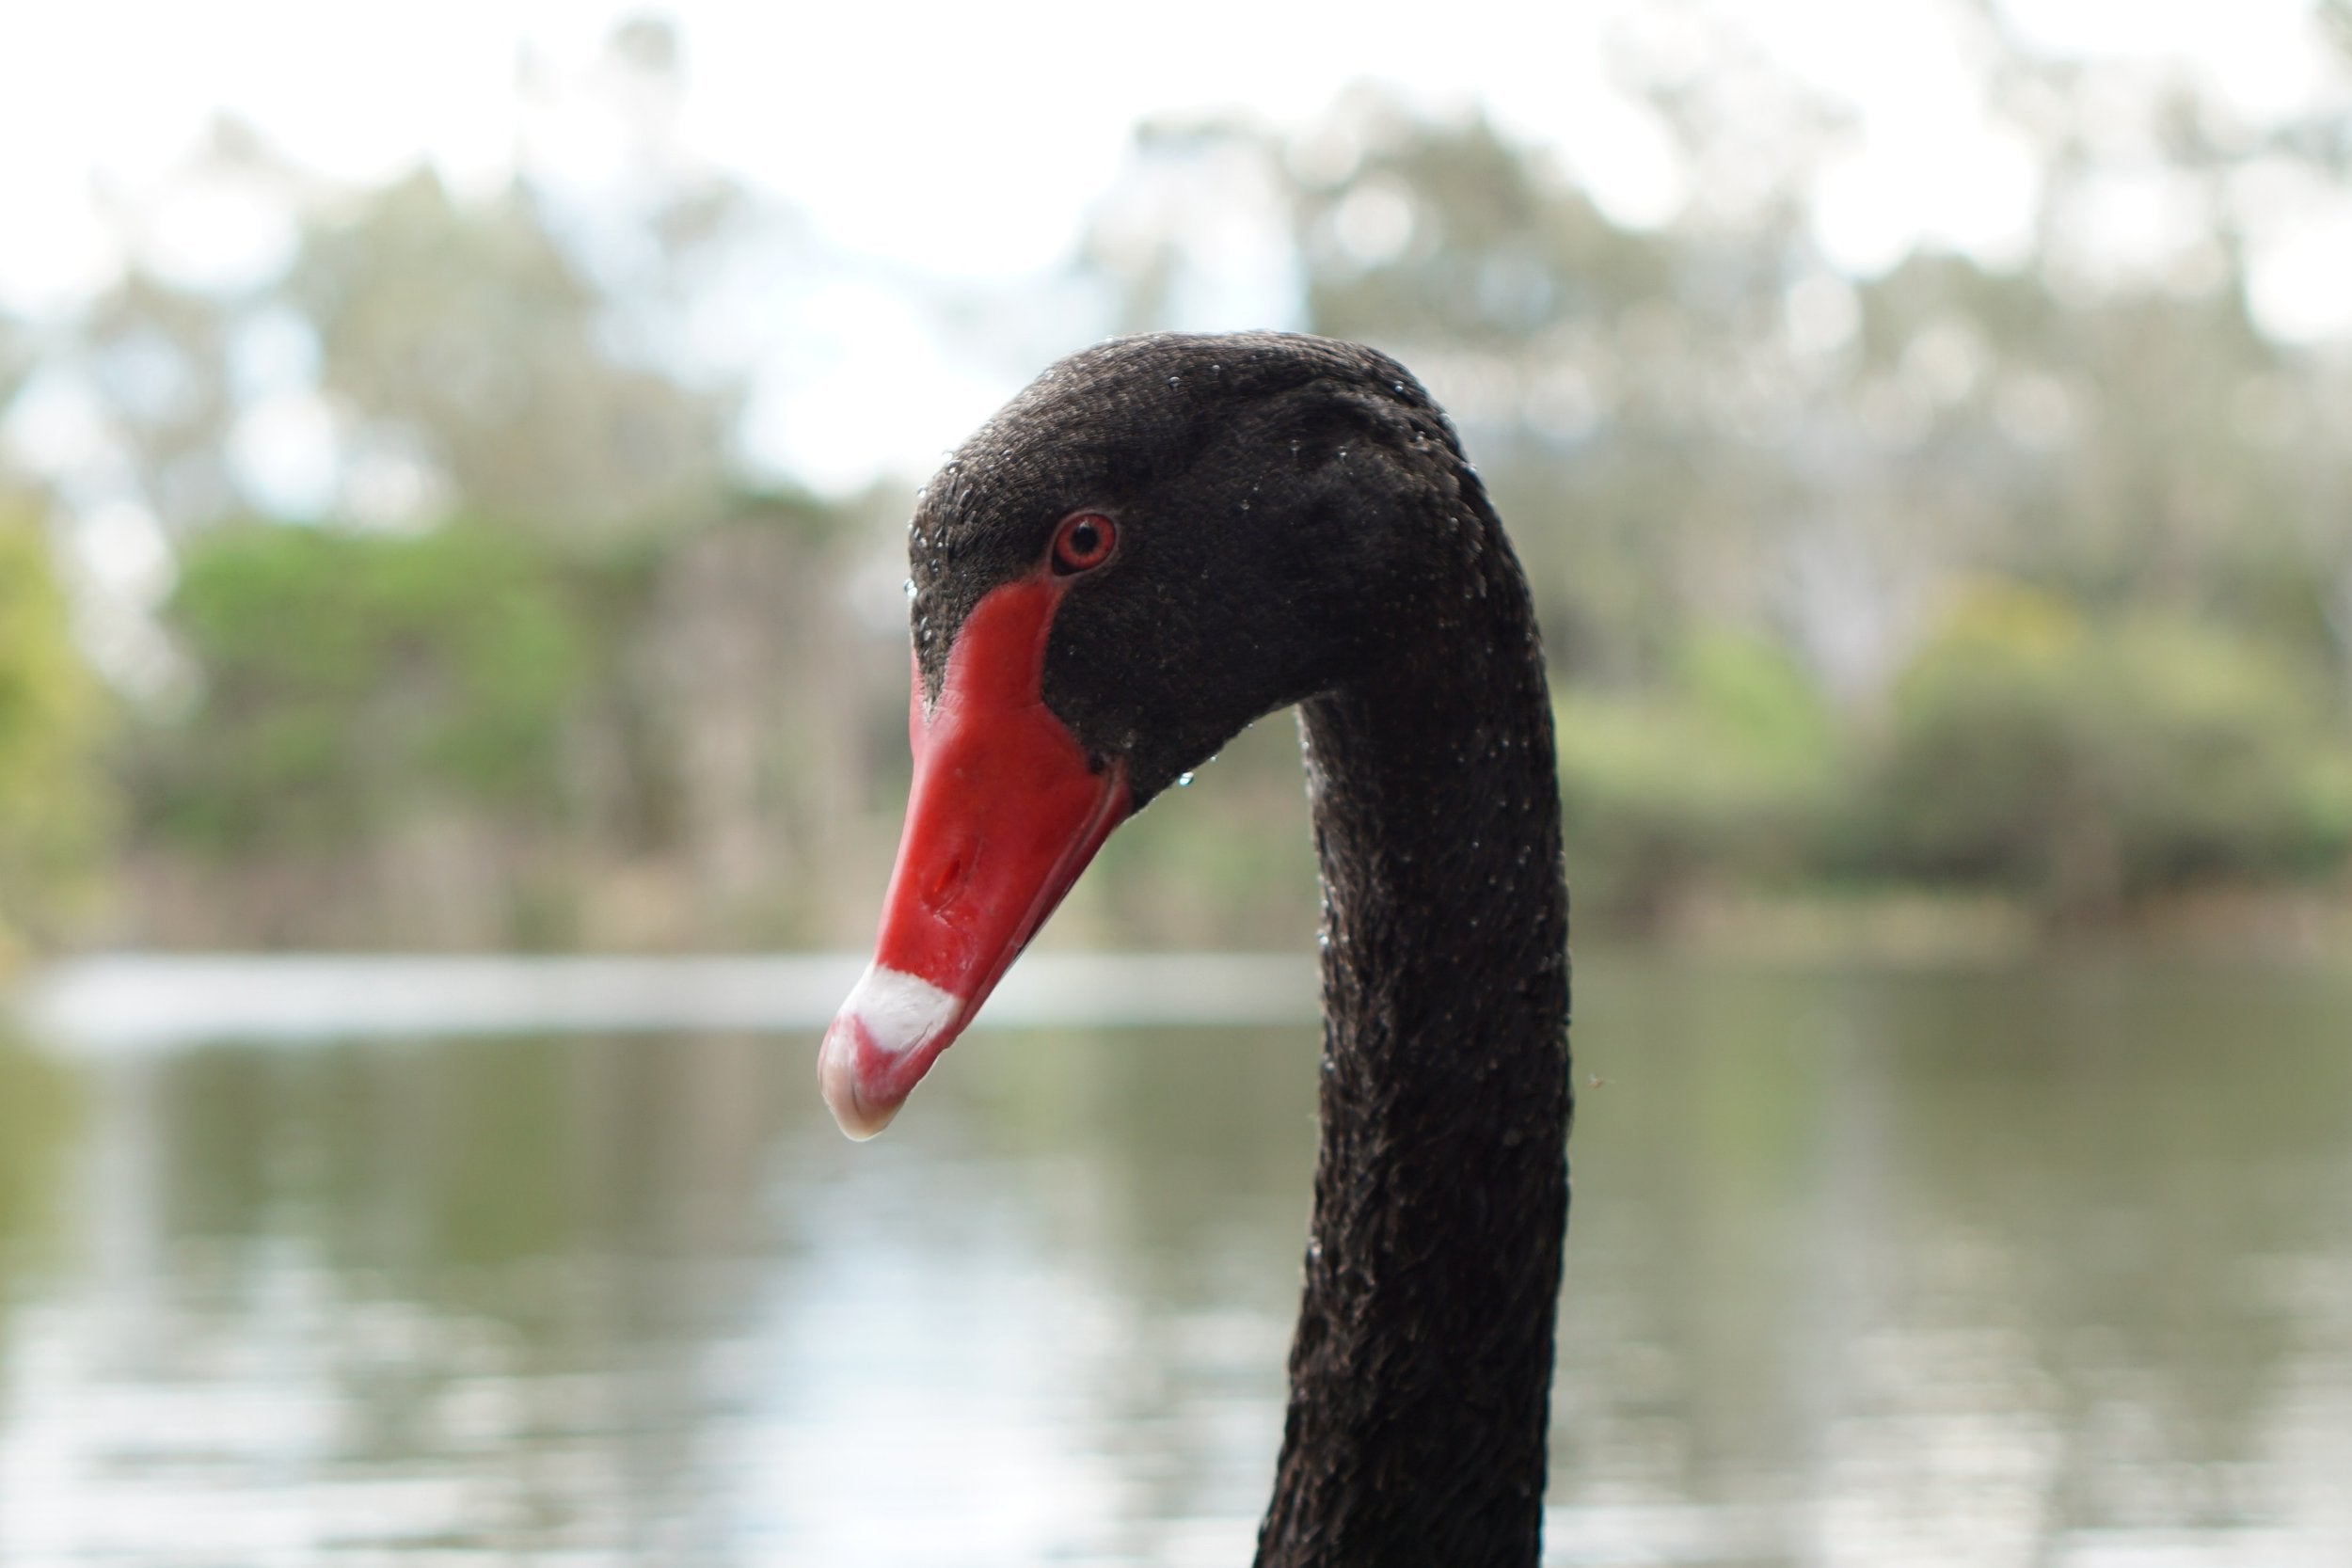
(943, 886)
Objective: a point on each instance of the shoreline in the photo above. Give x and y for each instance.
(1910, 925)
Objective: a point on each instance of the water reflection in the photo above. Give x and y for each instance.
(2044, 1267)
(39, 1118)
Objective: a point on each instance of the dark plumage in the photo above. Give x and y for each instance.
(1296, 524)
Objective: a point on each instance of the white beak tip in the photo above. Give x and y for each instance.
(836, 1074)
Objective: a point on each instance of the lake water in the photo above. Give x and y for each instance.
(2045, 1267)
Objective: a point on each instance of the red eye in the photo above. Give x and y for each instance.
(1083, 542)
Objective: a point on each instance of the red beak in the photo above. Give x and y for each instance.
(1004, 813)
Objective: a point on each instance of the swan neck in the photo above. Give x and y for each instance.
(1421, 1369)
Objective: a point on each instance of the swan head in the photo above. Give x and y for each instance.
(1159, 541)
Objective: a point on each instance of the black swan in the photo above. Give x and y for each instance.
(1159, 540)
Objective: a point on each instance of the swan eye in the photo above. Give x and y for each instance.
(1083, 542)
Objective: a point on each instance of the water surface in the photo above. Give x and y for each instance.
(2046, 1267)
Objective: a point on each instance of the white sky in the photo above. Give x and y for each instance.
(968, 141)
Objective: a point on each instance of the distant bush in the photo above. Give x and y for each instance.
(2093, 762)
(1723, 773)
(343, 678)
(51, 714)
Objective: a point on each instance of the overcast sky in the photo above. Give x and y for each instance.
(968, 141)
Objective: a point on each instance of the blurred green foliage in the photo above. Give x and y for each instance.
(52, 718)
(347, 679)
(2096, 760)
(1729, 769)
(2084, 761)
(486, 733)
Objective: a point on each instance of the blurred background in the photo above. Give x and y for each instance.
(454, 468)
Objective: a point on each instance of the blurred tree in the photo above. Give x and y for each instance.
(345, 672)
(155, 359)
(736, 755)
(353, 687)
(480, 734)
(51, 723)
(470, 354)
(2098, 761)
(1729, 774)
